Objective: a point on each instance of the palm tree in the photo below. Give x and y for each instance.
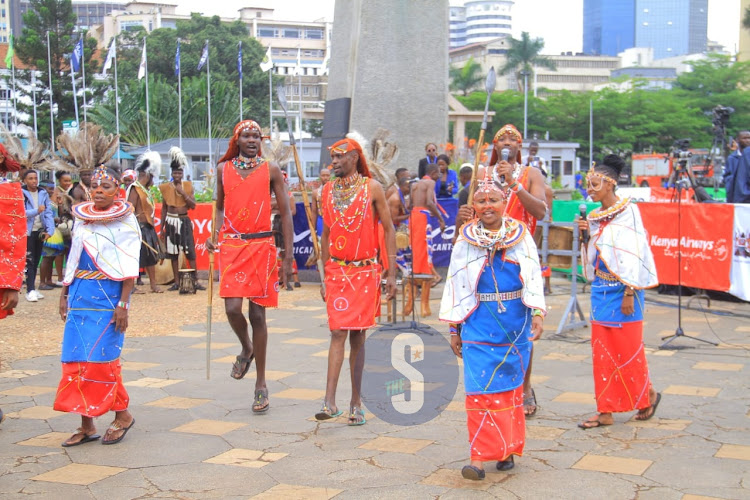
(523, 55)
(467, 77)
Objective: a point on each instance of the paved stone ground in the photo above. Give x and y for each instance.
(197, 438)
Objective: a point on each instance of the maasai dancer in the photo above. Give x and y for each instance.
(247, 256)
(177, 228)
(423, 204)
(399, 217)
(139, 195)
(352, 204)
(99, 275)
(494, 290)
(620, 263)
(12, 238)
(526, 203)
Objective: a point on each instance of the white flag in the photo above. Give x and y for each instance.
(110, 57)
(204, 57)
(326, 62)
(267, 62)
(298, 68)
(142, 68)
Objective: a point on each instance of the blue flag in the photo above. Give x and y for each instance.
(177, 60)
(77, 56)
(239, 61)
(204, 57)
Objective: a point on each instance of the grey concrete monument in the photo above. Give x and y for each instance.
(389, 68)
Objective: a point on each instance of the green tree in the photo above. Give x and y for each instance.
(523, 54)
(466, 78)
(57, 18)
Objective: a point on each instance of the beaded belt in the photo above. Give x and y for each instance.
(495, 297)
(606, 276)
(354, 263)
(90, 275)
(248, 236)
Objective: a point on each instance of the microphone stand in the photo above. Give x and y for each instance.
(679, 332)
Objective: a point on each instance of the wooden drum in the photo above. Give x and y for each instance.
(187, 281)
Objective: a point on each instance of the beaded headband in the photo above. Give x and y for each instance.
(510, 130)
(487, 185)
(129, 174)
(246, 125)
(101, 174)
(598, 176)
(344, 146)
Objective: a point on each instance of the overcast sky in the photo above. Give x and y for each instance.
(561, 24)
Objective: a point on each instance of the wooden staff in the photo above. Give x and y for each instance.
(209, 308)
(489, 87)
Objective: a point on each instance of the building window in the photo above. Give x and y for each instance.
(290, 33)
(266, 33)
(258, 14)
(567, 167)
(314, 34)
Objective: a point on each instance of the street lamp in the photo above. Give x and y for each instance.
(525, 73)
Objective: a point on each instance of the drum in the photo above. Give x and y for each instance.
(187, 281)
(402, 237)
(560, 238)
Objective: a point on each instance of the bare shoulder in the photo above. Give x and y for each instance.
(376, 187)
(535, 175)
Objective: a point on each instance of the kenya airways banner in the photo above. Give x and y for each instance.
(741, 253)
(705, 237)
(201, 217)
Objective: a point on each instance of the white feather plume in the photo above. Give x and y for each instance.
(149, 162)
(177, 158)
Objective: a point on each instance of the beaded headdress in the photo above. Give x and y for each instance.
(234, 149)
(101, 174)
(346, 145)
(129, 174)
(507, 129)
(488, 185)
(87, 148)
(607, 171)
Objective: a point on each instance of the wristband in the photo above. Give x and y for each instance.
(537, 312)
(124, 305)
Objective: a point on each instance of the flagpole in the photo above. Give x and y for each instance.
(51, 110)
(178, 67)
(208, 93)
(239, 67)
(83, 73)
(15, 99)
(148, 111)
(117, 106)
(75, 97)
(270, 99)
(33, 96)
(299, 76)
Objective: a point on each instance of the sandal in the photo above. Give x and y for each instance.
(647, 413)
(114, 427)
(238, 373)
(356, 416)
(592, 423)
(260, 395)
(506, 464)
(173, 288)
(529, 402)
(87, 438)
(327, 413)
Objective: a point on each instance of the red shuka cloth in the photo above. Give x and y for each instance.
(91, 389)
(420, 246)
(12, 238)
(352, 292)
(382, 248)
(497, 425)
(515, 209)
(248, 267)
(621, 379)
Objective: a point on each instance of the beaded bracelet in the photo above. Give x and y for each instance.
(124, 305)
(537, 312)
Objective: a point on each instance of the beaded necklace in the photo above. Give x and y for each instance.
(87, 212)
(508, 235)
(599, 215)
(244, 163)
(345, 191)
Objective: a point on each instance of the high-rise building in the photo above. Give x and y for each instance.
(479, 21)
(608, 26)
(89, 12)
(672, 27)
(669, 27)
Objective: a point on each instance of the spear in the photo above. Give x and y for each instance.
(209, 306)
(281, 94)
(489, 87)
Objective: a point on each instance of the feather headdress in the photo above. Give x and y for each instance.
(382, 153)
(150, 163)
(177, 158)
(275, 151)
(36, 156)
(88, 148)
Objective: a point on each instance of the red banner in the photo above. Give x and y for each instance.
(201, 217)
(670, 195)
(705, 238)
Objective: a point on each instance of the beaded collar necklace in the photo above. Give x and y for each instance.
(599, 215)
(244, 163)
(345, 192)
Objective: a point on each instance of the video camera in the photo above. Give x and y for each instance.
(721, 116)
(680, 152)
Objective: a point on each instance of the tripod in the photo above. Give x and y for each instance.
(679, 185)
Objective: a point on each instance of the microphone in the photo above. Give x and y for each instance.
(504, 154)
(582, 213)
